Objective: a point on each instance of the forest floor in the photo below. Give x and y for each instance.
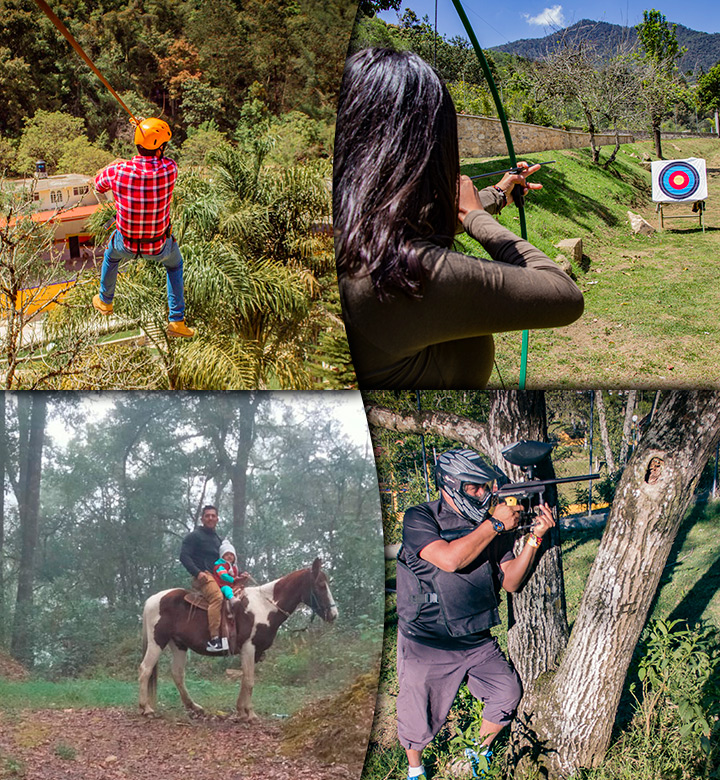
(325, 740)
(115, 744)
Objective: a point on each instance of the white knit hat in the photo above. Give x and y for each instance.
(227, 547)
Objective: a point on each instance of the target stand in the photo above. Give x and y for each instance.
(698, 207)
(680, 181)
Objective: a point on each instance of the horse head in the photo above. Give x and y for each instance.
(318, 596)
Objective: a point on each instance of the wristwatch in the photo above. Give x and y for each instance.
(497, 525)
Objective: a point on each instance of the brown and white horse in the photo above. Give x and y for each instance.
(170, 622)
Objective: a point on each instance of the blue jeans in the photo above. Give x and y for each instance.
(169, 256)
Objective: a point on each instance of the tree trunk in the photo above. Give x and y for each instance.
(570, 717)
(657, 137)
(604, 436)
(33, 408)
(247, 404)
(627, 426)
(537, 623)
(591, 131)
(471, 433)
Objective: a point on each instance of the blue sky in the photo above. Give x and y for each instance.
(496, 23)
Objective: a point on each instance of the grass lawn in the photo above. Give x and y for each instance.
(652, 303)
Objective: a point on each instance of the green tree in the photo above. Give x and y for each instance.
(45, 137)
(660, 88)
(80, 156)
(708, 92)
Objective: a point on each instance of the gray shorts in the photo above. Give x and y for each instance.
(430, 679)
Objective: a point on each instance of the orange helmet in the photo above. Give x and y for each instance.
(152, 133)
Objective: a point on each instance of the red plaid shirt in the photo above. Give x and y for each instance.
(142, 188)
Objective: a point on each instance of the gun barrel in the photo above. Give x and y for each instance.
(538, 485)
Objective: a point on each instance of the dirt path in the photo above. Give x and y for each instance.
(117, 744)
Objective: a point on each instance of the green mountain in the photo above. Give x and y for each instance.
(703, 49)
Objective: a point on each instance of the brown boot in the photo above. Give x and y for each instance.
(101, 306)
(179, 329)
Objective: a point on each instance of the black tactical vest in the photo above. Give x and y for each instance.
(442, 607)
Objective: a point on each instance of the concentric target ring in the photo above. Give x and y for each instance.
(678, 180)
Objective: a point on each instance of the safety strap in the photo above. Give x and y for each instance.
(138, 252)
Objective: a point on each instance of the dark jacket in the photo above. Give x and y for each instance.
(200, 549)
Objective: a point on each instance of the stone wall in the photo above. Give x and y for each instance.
(481, 136)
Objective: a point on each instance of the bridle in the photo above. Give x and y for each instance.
(317, 607)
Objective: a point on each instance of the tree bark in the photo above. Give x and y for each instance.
(627, 426)
(452, 426)
(570, 717)
(31, 413)
(604, 436)
(657, 138)
(537, 623)
(247, 404)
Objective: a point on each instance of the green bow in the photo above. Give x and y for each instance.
(511, 154)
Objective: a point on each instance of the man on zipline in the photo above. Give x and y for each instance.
(142, 188)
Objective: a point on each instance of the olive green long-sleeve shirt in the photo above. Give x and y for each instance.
(444, 339)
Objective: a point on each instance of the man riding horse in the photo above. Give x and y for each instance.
(198, 554)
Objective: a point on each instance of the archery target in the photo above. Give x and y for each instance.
(674, 181)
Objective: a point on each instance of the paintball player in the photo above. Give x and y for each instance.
(200, 549)
(454, 558)
(142, 188)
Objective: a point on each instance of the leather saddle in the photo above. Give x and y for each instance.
(227, 618)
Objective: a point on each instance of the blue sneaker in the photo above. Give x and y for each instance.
(479, 762)
(421, 776)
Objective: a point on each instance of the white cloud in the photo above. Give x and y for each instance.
(550, 17)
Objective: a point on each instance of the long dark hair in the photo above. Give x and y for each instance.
(396, 169)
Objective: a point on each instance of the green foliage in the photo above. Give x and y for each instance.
(80, 156)
(708, 92)
(187, 61)
(199, 143)
(673, 732)
(471, 99)
(297, 137)
(45, 137)
(200, 103)
(470, 736)
(658, 38)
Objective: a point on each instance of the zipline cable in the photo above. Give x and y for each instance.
(45, 8)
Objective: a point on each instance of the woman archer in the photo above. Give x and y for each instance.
(417, 313)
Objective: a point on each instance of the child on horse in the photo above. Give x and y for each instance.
(226, 572)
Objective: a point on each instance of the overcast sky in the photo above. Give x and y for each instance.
(498, 23)
(346, 406)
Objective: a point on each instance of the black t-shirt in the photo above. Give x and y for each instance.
(200, 549)
(448, 610)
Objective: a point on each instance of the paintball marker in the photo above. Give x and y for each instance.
(530, 493)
